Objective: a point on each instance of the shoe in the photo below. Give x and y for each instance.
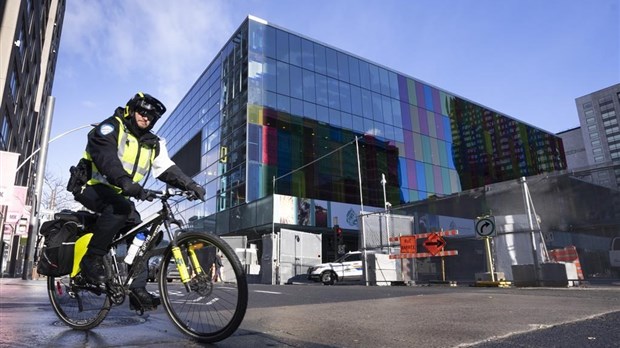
(92, 268)
(142, 299)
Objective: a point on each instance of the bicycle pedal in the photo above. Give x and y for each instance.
(141, 309)
(79, 280)
(136, 305)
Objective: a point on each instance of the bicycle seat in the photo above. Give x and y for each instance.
(81, 217)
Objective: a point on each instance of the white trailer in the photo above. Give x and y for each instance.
(287, 255)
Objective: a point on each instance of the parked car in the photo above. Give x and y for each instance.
(347, 268)
(153, 268)
(154, 264)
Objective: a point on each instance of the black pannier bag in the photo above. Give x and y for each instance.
(56, 257)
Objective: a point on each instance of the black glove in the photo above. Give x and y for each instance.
(132, 189)
(148, 195)
(197, 190)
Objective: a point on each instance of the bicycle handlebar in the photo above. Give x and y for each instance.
(170, 192)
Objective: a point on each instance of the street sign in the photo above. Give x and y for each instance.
(408, 245)
(434, 244)
(485, 227)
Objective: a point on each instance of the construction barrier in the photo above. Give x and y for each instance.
(434, 244)
(568, 254)
(426, 235)
(420, 255)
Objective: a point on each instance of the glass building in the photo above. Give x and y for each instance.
(599, 118)
(279, 112)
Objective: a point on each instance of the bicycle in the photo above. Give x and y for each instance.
(204, 310)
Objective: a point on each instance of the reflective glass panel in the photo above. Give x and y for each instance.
(282, 46)
(320, 63)
(307, 54)
(294, 42)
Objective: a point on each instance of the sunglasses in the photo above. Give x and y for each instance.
(150, 115)
(151, 111)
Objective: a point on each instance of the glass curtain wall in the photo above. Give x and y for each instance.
(208, 127)
(490, 148)
(276, 104)
(307, 99)
(233, 127)
(303, 116)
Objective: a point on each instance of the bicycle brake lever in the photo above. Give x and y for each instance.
(190, 195)
(177, 222)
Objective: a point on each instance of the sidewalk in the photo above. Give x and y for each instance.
(40, 282)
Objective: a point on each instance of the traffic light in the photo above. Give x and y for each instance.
(339, 248)
(338, 232)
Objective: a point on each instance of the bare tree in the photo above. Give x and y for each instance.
(55, 196)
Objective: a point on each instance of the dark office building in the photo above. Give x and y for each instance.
(28, 51)
(277, 105)
(29, 38)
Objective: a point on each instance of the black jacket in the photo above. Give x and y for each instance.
(103, 149)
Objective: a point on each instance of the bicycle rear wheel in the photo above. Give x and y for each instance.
(210, 311)
(81, 307)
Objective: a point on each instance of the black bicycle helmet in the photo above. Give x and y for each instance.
(146, 105)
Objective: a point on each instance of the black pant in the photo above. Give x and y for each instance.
(117, 214)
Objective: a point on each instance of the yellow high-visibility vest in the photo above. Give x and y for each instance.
(136, 158)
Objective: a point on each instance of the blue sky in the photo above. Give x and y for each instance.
(528, 59)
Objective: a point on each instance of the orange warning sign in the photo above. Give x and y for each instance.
(434, 244)
(408, 245)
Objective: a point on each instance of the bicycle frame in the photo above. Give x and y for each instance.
(164, 217)
(206, 311)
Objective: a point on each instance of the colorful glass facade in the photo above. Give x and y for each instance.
(274, 104)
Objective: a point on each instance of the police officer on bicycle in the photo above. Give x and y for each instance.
(121, 151)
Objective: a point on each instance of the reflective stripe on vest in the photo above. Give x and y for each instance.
(136, 159)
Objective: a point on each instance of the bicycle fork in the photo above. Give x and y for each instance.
(182, 267)
(180, 261)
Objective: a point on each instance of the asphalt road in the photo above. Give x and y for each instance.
(312, 315)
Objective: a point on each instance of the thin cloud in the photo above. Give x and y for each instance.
(166, 44)
(89, 104)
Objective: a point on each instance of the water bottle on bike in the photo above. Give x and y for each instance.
(137, 242)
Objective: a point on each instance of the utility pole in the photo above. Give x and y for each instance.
(32, 233)
(34, 211)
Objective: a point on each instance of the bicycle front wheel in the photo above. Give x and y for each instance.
(211, 310)
(80, 307)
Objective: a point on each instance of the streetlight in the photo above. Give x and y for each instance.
(34, 211)
(54, 139)
(387, 206)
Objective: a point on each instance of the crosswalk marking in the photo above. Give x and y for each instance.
(268, 292)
